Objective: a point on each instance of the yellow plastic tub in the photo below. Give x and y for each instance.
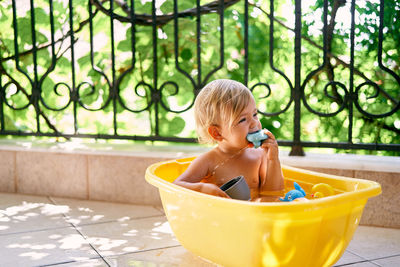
(240, 233)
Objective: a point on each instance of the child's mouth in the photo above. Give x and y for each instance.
(256, 138)
(253, 132)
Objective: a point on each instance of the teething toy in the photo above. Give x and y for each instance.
(296, 194)
(257, 138)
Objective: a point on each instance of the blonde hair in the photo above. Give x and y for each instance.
(220, 101)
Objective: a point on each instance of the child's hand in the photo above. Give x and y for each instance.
(212, 189)
(270, 146)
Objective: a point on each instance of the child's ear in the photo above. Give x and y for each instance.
(215, 133)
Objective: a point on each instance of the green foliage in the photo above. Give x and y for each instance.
(91, 76)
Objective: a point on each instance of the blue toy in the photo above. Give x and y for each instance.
(296, 193)
(257, 138)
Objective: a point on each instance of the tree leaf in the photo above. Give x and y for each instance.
(186, 54)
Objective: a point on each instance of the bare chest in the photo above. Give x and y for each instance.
(248, 166)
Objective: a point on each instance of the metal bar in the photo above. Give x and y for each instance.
(271, 62)
(246, 42)
(96, 69)
(198, 42)
(297, 149)
(133, 59)
(104, 136)
(16, 50)
(35, 88)
(345, 145)
(113, 89)
(73, 78)
(351, 85)
(155, 96)
(176, 49)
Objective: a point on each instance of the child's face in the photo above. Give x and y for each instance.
(246, 123)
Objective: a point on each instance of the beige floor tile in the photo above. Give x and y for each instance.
(7, 199)
(88, 263)
(24, 213)
(173, 256)
(347, 258)
(361, 264)
(85, 212)
(44, 247)
(374, 242)
(115, 238)
(388, 262)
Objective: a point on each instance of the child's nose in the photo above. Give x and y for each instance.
(254, 122)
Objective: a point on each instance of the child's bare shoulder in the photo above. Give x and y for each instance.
(206, 161)
(197, 169)
(206, 157)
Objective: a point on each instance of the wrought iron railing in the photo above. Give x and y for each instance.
(27, 89)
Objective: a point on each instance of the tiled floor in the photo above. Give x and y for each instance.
(42, 231)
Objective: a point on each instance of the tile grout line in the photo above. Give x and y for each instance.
(34, 231)
(108, 221)
(141, 251)
(374, 263)
(386, 257)
(65, 216)
(90, 244)
(152, 249)
(351, 263)
(40, 230)
(79, 232)
(355, 254)
(369, 260)
(117, 255)
(111, 220)
(72, 261)
(362, 261)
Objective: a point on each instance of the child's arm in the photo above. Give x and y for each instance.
(196, 171)
(271, 171)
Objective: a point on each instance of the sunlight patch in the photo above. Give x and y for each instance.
(50, 209)
(34, 255)
(162, 228)
(74, 241)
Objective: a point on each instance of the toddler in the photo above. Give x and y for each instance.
(225, 112)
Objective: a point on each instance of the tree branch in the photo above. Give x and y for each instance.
(45, 46)
(147, 20)
(329, 32)
(329, 54)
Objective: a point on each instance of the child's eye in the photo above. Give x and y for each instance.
(255, 114)
(242, 120)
